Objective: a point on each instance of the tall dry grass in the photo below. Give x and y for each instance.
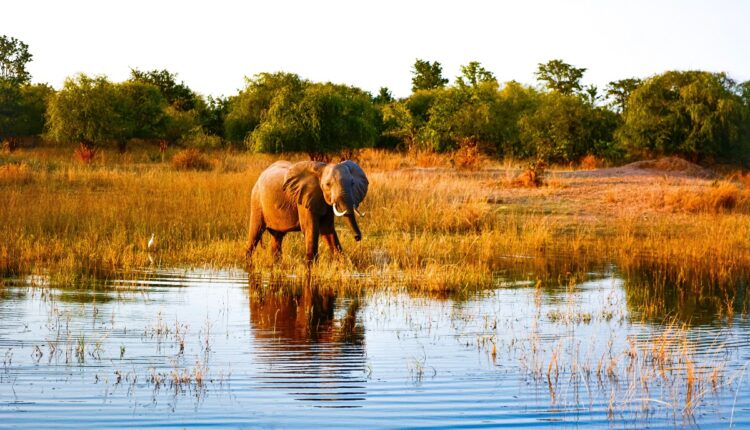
(431, 229)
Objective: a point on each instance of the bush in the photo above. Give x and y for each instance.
(590, 162)
(468, 155)
(200, 139)
(723, 196)
(533, 176)
(695, 114)
(85, 154)
(191, 159)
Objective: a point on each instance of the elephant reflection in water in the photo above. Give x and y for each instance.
(305, 348)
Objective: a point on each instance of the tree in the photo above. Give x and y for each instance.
(560, 76)
(514, 101)
(463, 113)
(743, 90)
(473, 74)
(327, 118)
(85, 111)
(427, 76)
(180, 124)
(14, 55)
(141, 110)
(590, 94)
(22, 110)
(247, 109)
(694, 114)
(10, 101)
(213, 114)
(563, 128)
(178, 95)
(619, 92)
(397, 126)
(384, 96)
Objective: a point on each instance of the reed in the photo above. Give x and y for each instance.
(434, 229)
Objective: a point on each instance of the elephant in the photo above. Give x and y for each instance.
(305, 196)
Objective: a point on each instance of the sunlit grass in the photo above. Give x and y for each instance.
(428, 226)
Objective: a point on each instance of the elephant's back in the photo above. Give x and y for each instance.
(272, 179)
(279, 211)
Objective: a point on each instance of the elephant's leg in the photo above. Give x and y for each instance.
(311, 230)
(311, 245)
(333, 242)
(336, 242)
(255, 232)
(277, 238)
(328, 232)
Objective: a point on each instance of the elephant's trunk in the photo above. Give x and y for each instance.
(355, 228)
(349, 210)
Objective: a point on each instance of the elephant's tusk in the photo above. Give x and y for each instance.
(356, 210)
(336, 212)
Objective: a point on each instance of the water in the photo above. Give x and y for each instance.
(193, 348)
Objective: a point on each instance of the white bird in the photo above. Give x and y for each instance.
(150, 242)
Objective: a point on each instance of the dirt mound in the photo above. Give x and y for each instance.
(673, 164)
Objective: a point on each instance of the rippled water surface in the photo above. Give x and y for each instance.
(192, 348)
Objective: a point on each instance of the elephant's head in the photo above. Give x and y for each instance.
(341, 186)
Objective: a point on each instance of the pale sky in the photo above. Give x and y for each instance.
(212, 45)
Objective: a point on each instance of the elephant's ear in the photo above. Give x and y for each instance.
(302, 184)
(359, 190)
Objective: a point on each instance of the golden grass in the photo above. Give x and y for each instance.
(429, 229)
(191, 159)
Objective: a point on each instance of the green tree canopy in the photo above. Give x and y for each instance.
(466, 113)
(564, 128)
(213, 114)
(325, 119)
(22, 109)
(85, 111)
(619, 92)
(427, 76)
(247, 109)
(473, 74)
(141, 110)
(560, 76)
(95, 111)
(178, 95)
(694, 114)
(384, 96)
(14, 55)
(515, 101)
(743, 90)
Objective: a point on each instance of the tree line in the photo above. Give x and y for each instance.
(695, 114)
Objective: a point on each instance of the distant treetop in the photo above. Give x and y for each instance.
(427, 76)
(560, 76)
(178, 95)
(14, 55)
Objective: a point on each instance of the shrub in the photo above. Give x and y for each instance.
(468, 155)
(8, 145)
(723, 196)
(85, 154)
(693, 114)
(191, 159)
(533, 176)
(590, 162)
(200, 139)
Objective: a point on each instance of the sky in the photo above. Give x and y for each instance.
(213, 45)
